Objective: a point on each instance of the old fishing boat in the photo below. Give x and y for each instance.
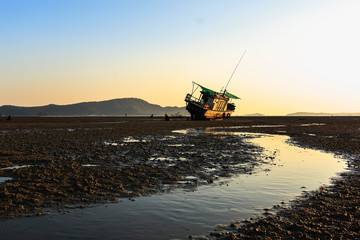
(210, 104)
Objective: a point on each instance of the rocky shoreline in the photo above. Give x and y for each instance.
(68, 151)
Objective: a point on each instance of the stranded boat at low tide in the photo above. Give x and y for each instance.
(210, 104)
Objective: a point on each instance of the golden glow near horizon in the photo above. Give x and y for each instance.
(301, 55)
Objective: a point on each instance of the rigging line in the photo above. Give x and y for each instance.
(234, 70)
(197, 86)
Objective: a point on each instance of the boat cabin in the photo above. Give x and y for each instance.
(210, 104)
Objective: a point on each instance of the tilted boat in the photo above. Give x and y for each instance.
(210, 104)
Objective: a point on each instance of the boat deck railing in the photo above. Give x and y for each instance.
(191, 98)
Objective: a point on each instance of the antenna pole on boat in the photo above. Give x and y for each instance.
(234, 70)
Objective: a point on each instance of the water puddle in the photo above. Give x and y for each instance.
(310, 134)
(180, 213)
(4, 179)
(267, 126)
(15, 167)
(311, 124)
(111, 143)
(256, 126)
(132, 140)
(90, 165)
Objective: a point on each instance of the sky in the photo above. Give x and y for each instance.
(301, 56)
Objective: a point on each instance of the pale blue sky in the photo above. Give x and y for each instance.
(301, 55)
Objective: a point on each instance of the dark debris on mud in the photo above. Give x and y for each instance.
(53, 167)
(331, 212)
(75, 145)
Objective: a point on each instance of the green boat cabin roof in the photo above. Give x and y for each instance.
(213, 93)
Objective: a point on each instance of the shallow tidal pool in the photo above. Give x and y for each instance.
(182, 213)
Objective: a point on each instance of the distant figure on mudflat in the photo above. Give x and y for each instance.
(167, 118)
(9, 117)
(152, 115)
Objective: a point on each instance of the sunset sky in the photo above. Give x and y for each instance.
(300, 55)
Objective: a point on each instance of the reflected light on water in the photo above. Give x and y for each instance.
(179, 214)
(4, 179)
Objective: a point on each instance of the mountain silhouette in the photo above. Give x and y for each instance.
(114, 107)
(322, 114)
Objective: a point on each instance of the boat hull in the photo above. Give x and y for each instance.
(199, 112)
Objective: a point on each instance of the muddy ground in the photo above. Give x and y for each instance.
(66, 162)
(331, 212)
(55, 163)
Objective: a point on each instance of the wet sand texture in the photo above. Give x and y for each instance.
(83, 162)
(62, 153)
(329, 213)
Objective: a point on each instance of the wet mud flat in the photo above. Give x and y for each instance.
(56, 163)
(331, 212)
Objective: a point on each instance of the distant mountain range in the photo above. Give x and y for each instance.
(114, 107)
(120, 107)
(304, 114)
(322, 114)
(254, 115)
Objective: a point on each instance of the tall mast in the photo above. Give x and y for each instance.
(234, 70)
